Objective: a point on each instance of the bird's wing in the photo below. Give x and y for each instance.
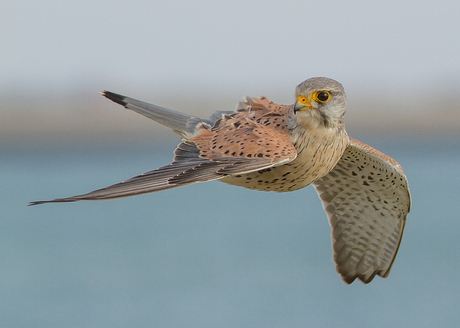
(367, 199)
(235, 148)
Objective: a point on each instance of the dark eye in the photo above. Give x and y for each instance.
(323, 96)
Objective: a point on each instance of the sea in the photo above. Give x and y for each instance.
(210, 254)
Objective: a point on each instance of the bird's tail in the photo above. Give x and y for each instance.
(183, 124)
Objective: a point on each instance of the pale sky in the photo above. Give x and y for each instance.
(210, 46)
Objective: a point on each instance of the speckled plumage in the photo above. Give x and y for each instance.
(270, 147)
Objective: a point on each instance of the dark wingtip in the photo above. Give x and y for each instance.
(58, 200)
(37, 202)
(119, 99)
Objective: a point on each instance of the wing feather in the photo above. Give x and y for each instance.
(170, 176)
(194, 161)
(367, 199)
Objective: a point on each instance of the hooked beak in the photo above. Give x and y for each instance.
(302, 103)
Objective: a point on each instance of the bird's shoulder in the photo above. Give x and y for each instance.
(356, 144)
(256, 112)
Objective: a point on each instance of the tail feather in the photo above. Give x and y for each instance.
(181, 123)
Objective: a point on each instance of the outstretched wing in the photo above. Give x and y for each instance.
(367, 199)
(211, 155)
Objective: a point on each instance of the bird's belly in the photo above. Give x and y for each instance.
(306, 168)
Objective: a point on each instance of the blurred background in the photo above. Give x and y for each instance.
(210, 254)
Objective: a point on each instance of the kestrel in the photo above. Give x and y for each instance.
(271, 147)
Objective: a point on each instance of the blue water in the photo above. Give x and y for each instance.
(211, 255)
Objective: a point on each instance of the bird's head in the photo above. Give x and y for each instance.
(320, 101)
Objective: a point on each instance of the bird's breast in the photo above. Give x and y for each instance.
(317, 155)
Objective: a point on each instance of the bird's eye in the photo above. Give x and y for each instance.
(322, 96)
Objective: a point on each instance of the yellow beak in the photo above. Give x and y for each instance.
(302, 103)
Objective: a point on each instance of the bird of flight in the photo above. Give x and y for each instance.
(270, 147)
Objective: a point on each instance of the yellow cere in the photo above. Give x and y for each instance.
(302, 100)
